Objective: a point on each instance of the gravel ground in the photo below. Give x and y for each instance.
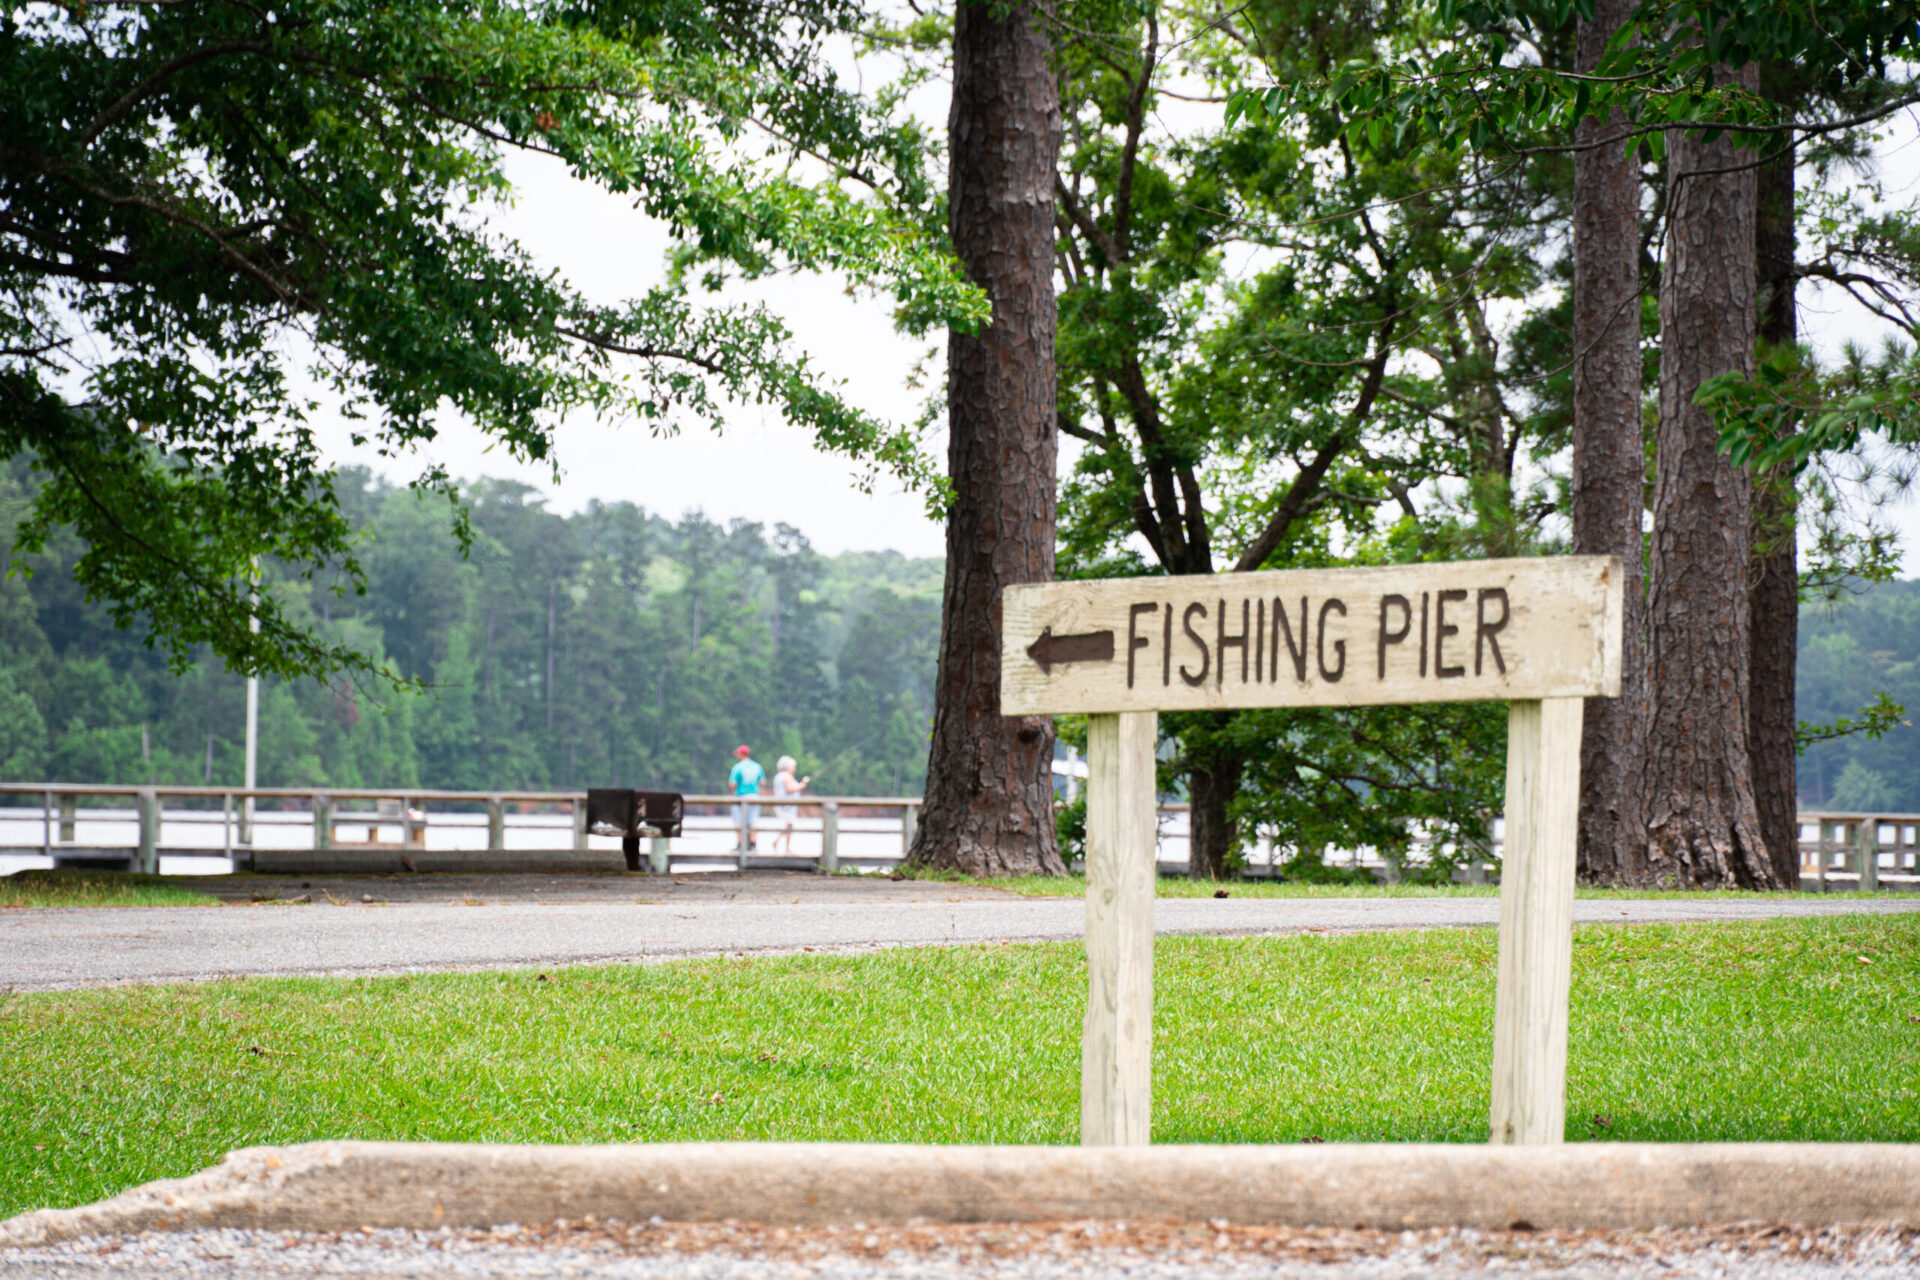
(1048, 1251)
(336, 932)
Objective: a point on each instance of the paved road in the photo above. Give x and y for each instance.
(85, 947)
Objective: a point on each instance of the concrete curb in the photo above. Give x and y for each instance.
(333, 1186)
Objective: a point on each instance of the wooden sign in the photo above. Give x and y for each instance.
(1541, 634)
(1457, 632)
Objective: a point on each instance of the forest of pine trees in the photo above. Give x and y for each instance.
(615, 646)
(610, 647)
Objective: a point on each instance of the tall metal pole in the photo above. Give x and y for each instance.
(253, 723)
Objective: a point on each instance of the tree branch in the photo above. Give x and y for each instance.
(712, 364)
(1301, 491)
(1130, 152)
(1099, 239)
(134, 96)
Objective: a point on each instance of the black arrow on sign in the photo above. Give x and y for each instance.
(1094, 646)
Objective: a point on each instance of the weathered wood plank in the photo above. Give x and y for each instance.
(1116, 1044)
(1525, 629)
(1535, 965)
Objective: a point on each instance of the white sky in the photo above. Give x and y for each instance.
(1829, 318)
(764, 470)
(760, 468)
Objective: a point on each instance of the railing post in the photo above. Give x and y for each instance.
(1820, 845)
(68, 805)
(226, 830)
(579, 814)
(496, 823)
(1867, 837)
(46, 828)
(322, 820)
(147, 803)
(909, 823)
(829, 838)
(657, 856)
(1476, 866)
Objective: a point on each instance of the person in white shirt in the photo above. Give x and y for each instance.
(785, 784)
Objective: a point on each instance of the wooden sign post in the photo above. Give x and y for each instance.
(1539, 634)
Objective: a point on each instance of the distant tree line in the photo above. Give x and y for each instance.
(1851, 653)
(615, 646)
(609, 647)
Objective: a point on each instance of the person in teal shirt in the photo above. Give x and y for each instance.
(745, 779)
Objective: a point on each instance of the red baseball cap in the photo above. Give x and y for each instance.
(743, 750)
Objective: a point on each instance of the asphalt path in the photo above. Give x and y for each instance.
(337, 934)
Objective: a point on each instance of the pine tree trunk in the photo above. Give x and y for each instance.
(1703, 828)
(1609, 465)
(989, 800)
(1774, 586)
(1212, 832)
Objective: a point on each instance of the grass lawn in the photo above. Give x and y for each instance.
(1075, 886)
(1800, 1030)
(106, 889)
(118, 889)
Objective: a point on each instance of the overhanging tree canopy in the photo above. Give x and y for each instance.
(194, 193)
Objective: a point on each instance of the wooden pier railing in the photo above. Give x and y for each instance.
(358, 828)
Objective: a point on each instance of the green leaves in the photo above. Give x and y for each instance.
(1873, 721)
(198, 194)
(1473, 88)
(1787, 413)
(1298, 359)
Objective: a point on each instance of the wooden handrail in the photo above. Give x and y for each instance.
(40, 789)
(414, 793)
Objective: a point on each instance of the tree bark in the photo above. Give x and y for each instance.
(1703, 828)
(989, 799)
(1773, 577)
(1609, 464)
(1213, 834)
